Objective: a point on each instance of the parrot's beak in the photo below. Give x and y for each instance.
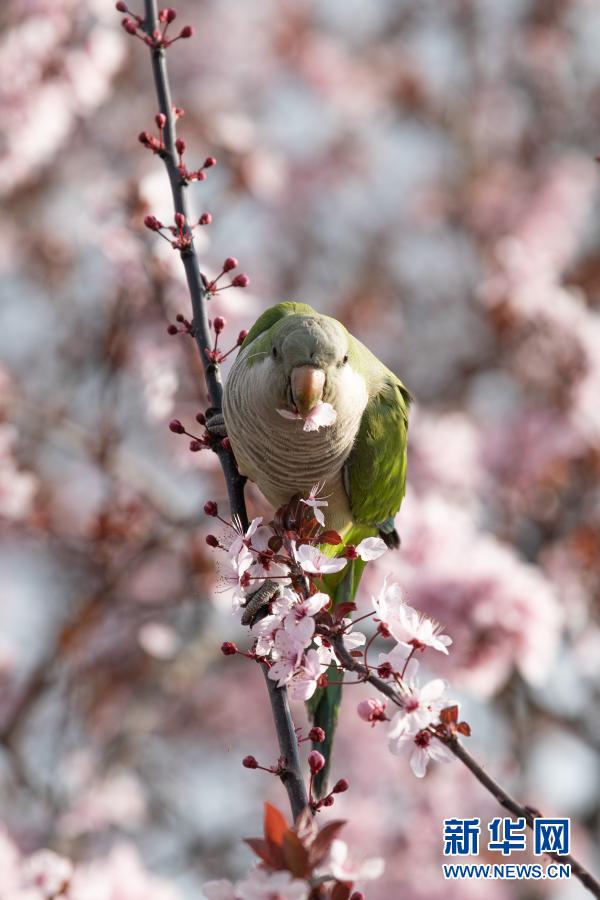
(307, 384)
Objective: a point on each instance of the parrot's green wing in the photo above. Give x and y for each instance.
(375, 472)
(274, 314)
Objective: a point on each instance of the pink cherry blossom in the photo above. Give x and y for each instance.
(421, 704)
(344, 869)
(321, 416)
(316, 563)
(287, 654)
(266, 885)
(405, 623)
(371, 548)
(299, 621)
(47, 871)
(422, 747)
(304, 682)
(372, 710)
(314, 502)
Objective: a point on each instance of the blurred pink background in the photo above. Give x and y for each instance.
(424, 172)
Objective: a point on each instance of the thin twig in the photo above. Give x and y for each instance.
(288, 743)
(455, 747)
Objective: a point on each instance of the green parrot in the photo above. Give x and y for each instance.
(293, 359)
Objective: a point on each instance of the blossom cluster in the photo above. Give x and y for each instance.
(282, 576)
(298, 863)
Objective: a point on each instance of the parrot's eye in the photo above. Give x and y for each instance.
(274, 352)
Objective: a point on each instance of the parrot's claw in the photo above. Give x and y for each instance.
(258, 601)
(215, 423)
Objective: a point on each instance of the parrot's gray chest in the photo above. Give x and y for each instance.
(281, 457)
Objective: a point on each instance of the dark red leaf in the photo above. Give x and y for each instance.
(449, 716)
(262, 850)
(464, 728)
(275, 543)
(330, 537)
(295, 855)
(344, 609)
(321, 844)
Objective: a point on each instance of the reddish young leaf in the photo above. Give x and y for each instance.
(330, 537)
(449, 716)
(275, 825)
(321, 844)
(464, 728)
(343, 610)
(295, 855)
(263, 851)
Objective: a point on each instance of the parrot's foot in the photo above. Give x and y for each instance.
(258, 601)
(215, 423)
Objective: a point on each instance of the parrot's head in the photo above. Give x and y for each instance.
(309, 362)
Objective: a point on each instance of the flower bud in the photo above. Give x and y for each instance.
(167, 15)
(383, 630)
(212, 541)
(242, 337)
(230, 263)
(209, 162)
(228, 648)
(371, 710)
(205, 219)
(241, 281)
(172, 329)
(357, 895)
(178, 112)
(385, 670)
(129, 26)
(249, 762)
(201, 418)
(340, 786)
(180, 220)
(176, 426)
(316, 735)
(316, 761)
(219, 324)
(180, 146)
(226, 444)
(328, 801)
(144, 138)
(187, 32)
(152, 223)
(211, 508)
(122, 7)
(350, 552)
(160, 119)
(195, 446)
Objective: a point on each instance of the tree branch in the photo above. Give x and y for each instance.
(288, 742)
(455, 747)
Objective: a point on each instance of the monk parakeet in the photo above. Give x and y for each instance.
(296, 371)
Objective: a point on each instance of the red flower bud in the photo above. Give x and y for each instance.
(316, 761)
(340, 786)
(241, 281)
(226, 444)
(228, 648)
(178, 112)
(160, 119)
(195, 446)
(212, 541)
(129, 26)
(209, 162)
(201, 418)
(385, 670)
(205, 219)
(187, 32)
(241, 337)
(383, 630)
(211, 508)
(172, 329)
(152, 223)
(219, 324)
(176, 426)
(249, 762)
(179, 220)
(350, 552)
(230, 263)
(167, 15)
(180, 146)
(328, 801)
(122, 7)
(316, 735)
(357, 895)
(144, 138)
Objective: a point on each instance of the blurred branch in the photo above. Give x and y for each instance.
(288, 744)
(455, 747)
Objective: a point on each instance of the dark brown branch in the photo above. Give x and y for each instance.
(288, 743)
(455, 747)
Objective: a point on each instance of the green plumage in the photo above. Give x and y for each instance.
(373, 470)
